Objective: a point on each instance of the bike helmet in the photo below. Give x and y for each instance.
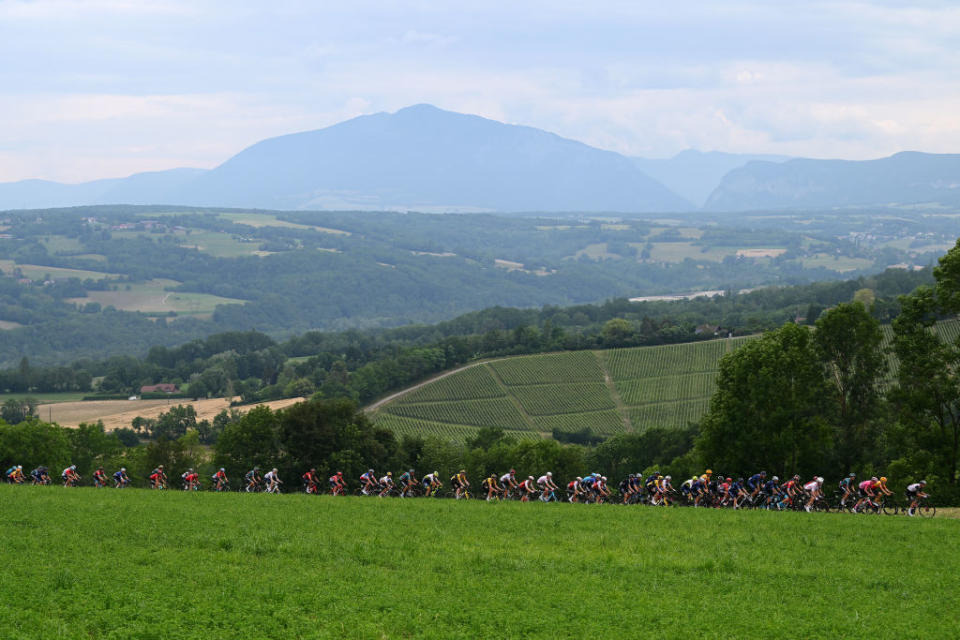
(124, 469)
(763, 473)
(370, 471)
(884, 480)
(529, 477)
(436, 473)
(873, 479)
(549, 474)
(73, 466)
(709, 472)
(389, 473)
(796, 476)
(339, 473)
(224, 470)
(579, 479)
(410, 471)
(160, 466)
(666, 478)
(776, 479)
(923, 482)
(463, 470)
(819, 479)
(853, 475)
(512, 472)
(274, 469)
(729, 480)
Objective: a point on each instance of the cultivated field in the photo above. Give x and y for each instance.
(83, 563)
(39, 272)
(117, 414)
(531, 396)
(153, 297)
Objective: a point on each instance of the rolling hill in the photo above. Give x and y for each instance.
(610, 391)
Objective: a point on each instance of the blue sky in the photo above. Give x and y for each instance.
(104, 88)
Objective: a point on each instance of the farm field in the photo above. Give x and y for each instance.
(153, 297)
(255, 566)
(46, 398)
(270, 220)
(117, 414)
(39, 272)
(609, 392)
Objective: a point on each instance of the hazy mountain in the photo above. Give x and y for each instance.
(904, 178)
(426, 158)
(694, 174)
(153, 187)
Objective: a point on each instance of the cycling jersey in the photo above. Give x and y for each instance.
(270, 477)
(588, 482)
(846, 484)
(543, 480)
(506, 478)
(753, 481)
(770, 486)
(405, 478)
(914, 488)
(866, 485)
(368, 477)
(459, 480)
(386, 480)
(811, 486)
(490, 483)
(430, 478)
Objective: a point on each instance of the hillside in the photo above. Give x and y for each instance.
(904, 178)
(255, 566)
(610, 392)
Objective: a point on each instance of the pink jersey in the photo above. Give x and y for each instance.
(866, 484)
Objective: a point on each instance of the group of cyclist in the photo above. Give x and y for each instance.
(705, 490)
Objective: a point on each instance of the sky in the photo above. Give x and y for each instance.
(105, 88)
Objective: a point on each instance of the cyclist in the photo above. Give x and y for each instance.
(788, 491)
(881, 487)
(368, 482)
(527, 488)
(547, 487)
(815, 489)
(914, 494)
(459, 483)
(575, 489)
(686, 487)
(407, 481)
(588, 485)
(40, 475)
(431, 483)
(220, 481)
(337, 485)
(100, 479)
(650, 484)
(70, 476)
(664, 488)
(120, 478)
(15, 474)
(866, 492)
(600, 488)
(158, 479)
(310, 481)
(770, 492)
(253, 479)
(492, 487)
(706, 478)
(273, 481)
(508, 482)
(191, 481)
(625, 488)
(386, 483)
(847, 487)
(755, 483)
(698, 489)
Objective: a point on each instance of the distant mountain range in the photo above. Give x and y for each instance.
(427, 159)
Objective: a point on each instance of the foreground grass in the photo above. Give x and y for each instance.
(107, 564)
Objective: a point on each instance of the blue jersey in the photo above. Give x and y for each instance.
(589, 481)
(754, 481)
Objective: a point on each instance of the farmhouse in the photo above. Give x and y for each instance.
(163, 387)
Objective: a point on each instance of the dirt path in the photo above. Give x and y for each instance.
(117, 414)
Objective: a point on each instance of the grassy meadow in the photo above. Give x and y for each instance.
(108, 564)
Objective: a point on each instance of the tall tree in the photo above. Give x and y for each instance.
(848, 342)
(769, 407)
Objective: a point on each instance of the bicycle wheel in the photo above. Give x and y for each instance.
(890, 509)
(927, 511)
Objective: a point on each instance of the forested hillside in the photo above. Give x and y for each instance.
(103, 281)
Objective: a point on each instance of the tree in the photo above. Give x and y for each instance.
(253, 440)
(927, 394)
(617, 332)
(769, 405)
(848, 343)
(15, 411)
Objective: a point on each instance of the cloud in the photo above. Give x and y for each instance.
(104, 87)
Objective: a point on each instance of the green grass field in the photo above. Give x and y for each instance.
(117, 565)
(46, 398)
(39, 272)
(530, 396)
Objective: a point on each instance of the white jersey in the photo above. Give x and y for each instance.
(914, 488)
(386, 480)
(271, 477)
(431, 478)
(811, 486)
(505, 478)
(543, 480)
